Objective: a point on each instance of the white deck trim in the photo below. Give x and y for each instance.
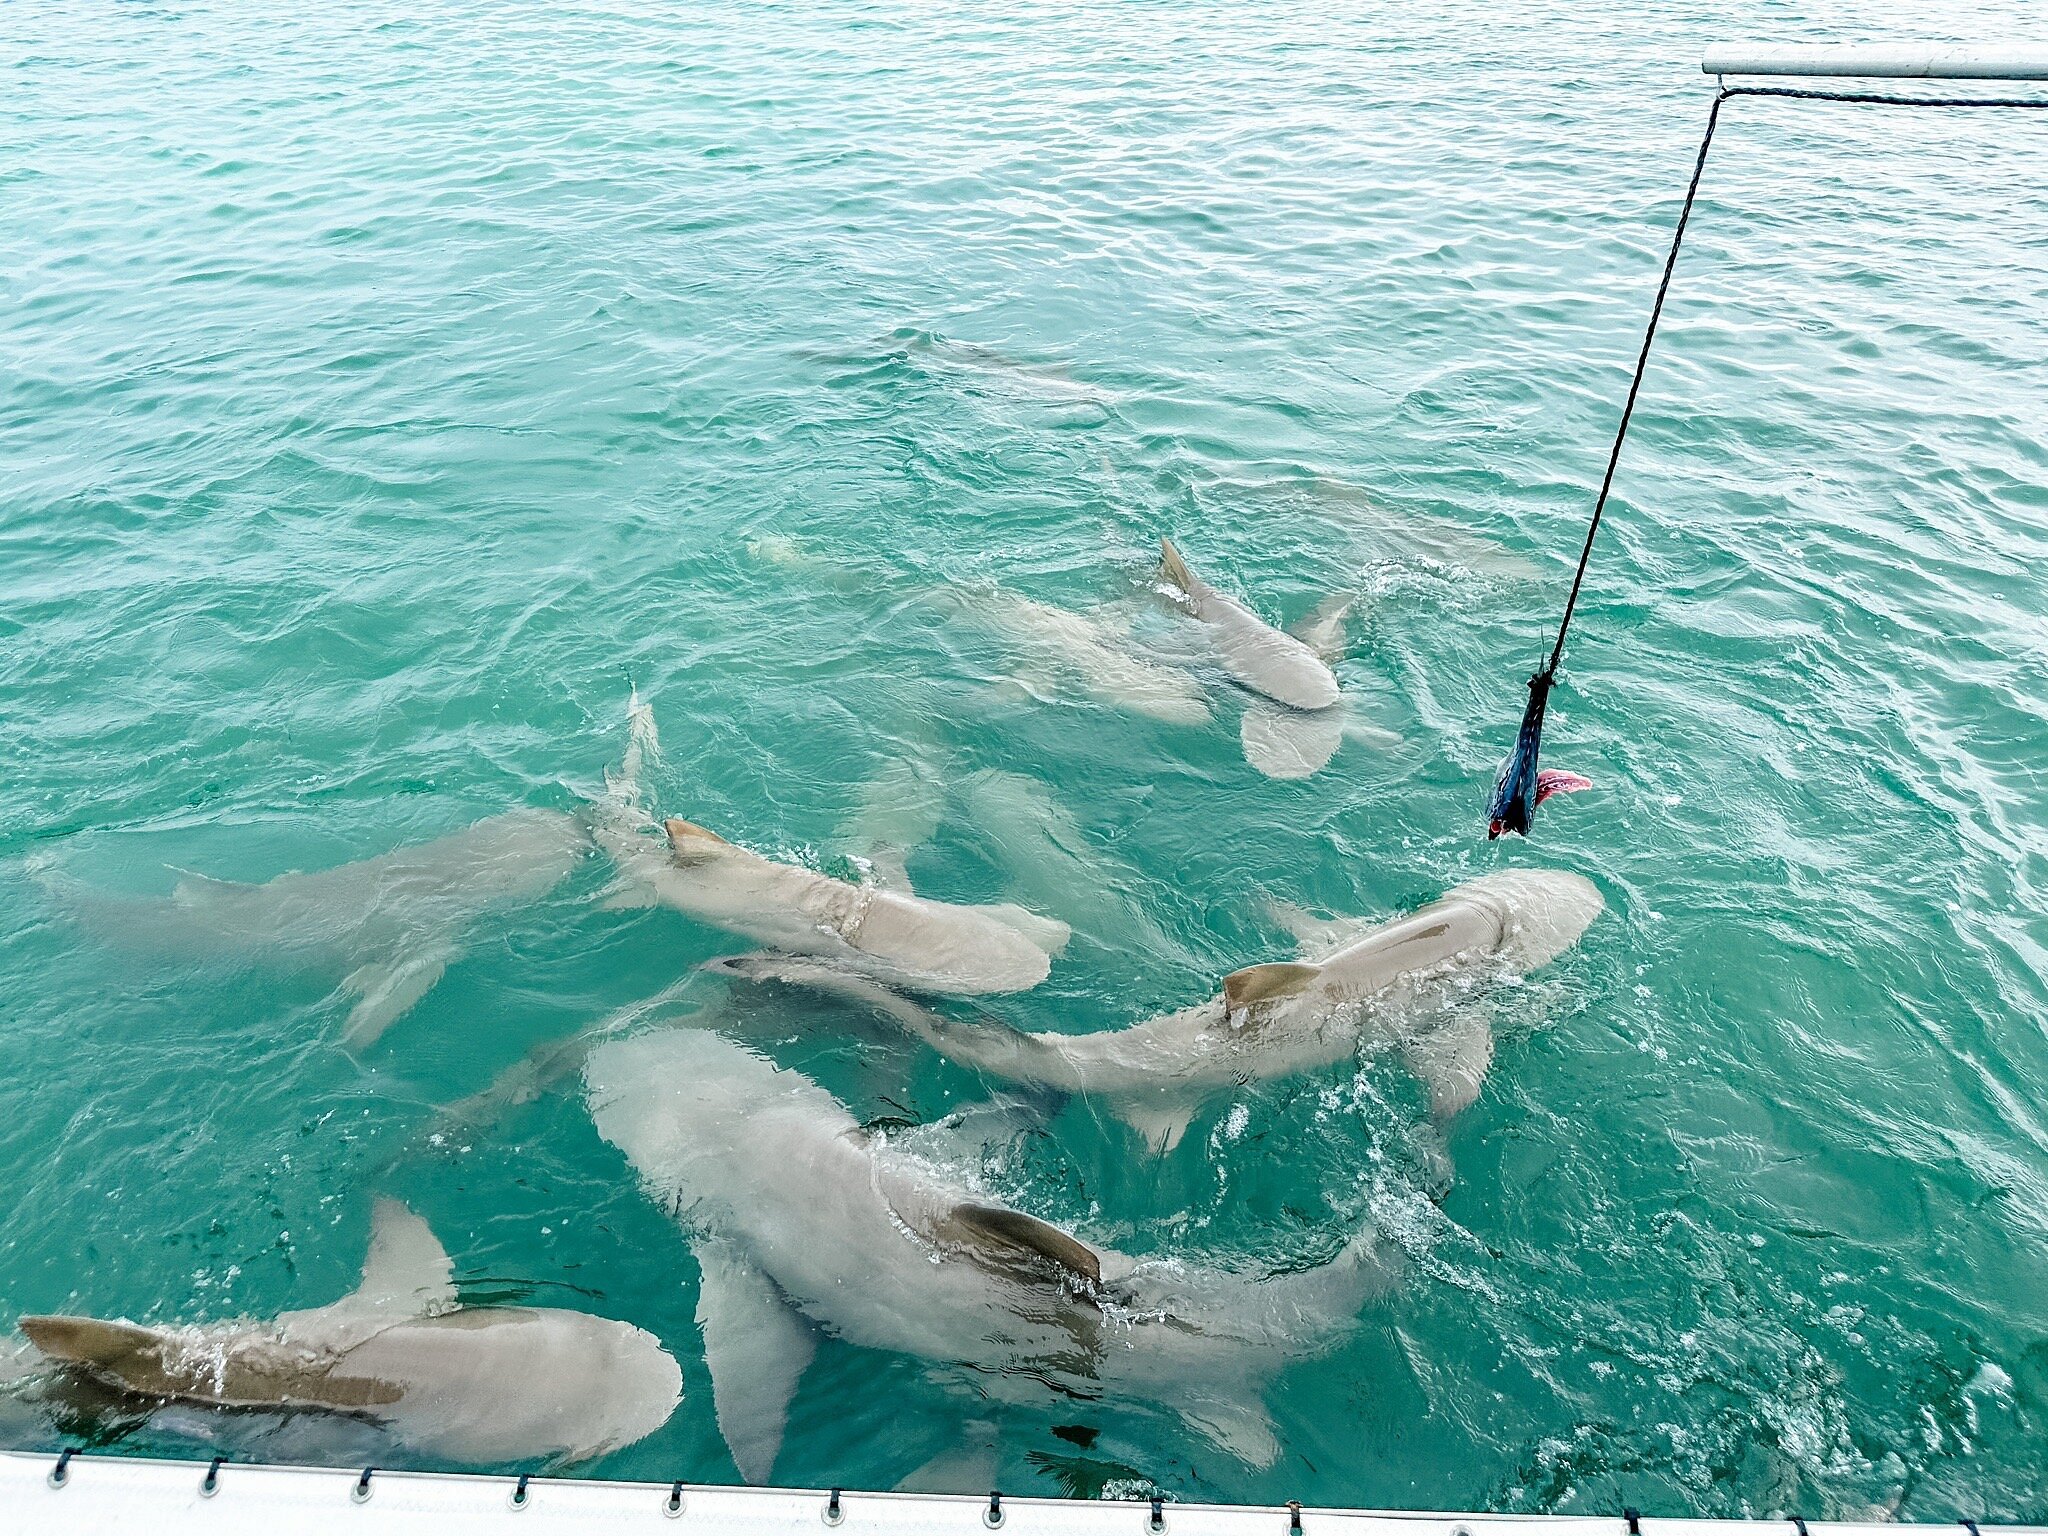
(108, 1495)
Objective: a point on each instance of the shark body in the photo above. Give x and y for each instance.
(802, 1221)
(474, 1385)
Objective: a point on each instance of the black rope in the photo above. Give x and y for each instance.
(1520, 787)
(1790, 93)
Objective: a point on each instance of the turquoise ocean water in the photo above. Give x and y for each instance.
(385, 391)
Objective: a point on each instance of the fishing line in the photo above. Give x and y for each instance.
(1520, 787)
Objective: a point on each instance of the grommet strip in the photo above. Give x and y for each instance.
(209, 1485)
(361, 1495)
(60, 1474)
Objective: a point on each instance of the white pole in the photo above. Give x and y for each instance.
(1890, 61)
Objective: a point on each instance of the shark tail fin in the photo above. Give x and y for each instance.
(643, 743)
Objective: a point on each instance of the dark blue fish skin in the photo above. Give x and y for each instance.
(1515, 792)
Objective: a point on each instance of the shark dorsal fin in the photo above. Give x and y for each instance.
(687, 840)
(1175, 569)
(1256, 983)
(408, 1272)
(679, 830)
(1003, 1239)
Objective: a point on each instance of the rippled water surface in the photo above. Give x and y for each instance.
(388, 391)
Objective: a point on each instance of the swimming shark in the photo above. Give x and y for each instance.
(893, 935)
(1264, 659)
(801, 1222)
(395, 922)
(1355, 981)
(1091, 652)
(475, 1385)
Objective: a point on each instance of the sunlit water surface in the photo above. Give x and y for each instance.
(388, 390)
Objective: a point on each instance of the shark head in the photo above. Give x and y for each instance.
(1546, 910)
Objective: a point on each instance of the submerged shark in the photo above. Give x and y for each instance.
(395, 922)
(1058, 648)
(802, 1221)
(475, 1385)
(892, 935)
(1356, 981)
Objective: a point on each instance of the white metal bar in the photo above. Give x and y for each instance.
(101, 1494)
(1889, 61)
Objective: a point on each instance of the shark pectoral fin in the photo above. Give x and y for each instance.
(1160, 1125)
(407, 1270)
(1243, 1428)
(1451, 1061)
(891, 870)
(626, 893)
(1284, 743)
(193, 888)
(1315, 937)
(1048, 933)
(386, 991)
(1323, 630)
(756, 1348)
(406, 1274)
(898, 811)
(1256, 983)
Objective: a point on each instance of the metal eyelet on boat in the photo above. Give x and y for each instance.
(518, 1499)
(673, 1505)
(360, 1494)
(833, 1513)
(60, 1474)
(992, 1517)
(209, 1485)
(1294, 1515)
(1157, 1523)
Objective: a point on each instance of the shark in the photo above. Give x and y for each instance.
(894, 935)
(802, 1223)
(1088, 652)
(1268, 661)
(475, 1385)
(392, 924)
(1355, 982)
